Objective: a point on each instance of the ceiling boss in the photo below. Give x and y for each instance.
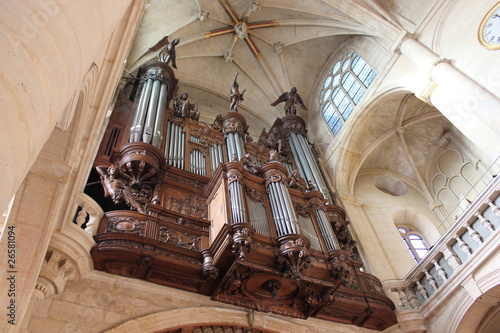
(241, 28)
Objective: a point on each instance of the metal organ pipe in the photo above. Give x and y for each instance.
(175, 144)
(137, 126)
(151, 114)
(171, 127)
(327, 231)
(320, 182)
(302, 158)
(221, 158)
(294, 226)
(275, 210)
(239, 145)
(183, 143)
(160, 117)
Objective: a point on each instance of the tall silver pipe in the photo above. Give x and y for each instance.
(233, 146)
(242, 202)
(138, 124)
(199, 162)
(228, 146)
(221, 156)
(195, 157)
(289, 208)
(274, 211)
(151, 115)
(327, 231)
(176, 144)
(167, 139)
(160, 117)
(298, 162)
(203, 165)
(281, 203)
(314, 166)
(171, 143)
(212, 159)
(232, 201)
(183, 143)
(191, 161)
(279, 209)
(302, 158)
(240, 149)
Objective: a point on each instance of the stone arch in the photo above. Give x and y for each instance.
(481, 314)
(203, 316)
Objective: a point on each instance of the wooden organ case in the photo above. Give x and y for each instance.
(206, 209)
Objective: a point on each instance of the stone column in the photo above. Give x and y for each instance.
(466, 104)
(45, 56)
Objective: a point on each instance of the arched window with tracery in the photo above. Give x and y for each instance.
(343, 88)
(414, 242)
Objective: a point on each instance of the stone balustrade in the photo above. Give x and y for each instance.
(88, 215)
(473, 236)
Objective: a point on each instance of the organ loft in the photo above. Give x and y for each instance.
(208, 209)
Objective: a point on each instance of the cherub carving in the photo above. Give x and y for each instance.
(118, 189)
(112, 185)
(248, 163)
(290, 98)
(184, 108)
(273, 139)
(296, 181)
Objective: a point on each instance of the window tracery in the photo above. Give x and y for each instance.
(414, 242)
(343, 88)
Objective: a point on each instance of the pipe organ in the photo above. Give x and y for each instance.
(205, 208)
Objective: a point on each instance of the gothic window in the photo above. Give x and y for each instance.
(343, 88)
(414, 242)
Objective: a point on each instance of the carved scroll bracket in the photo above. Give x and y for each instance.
(210, 272)
(341, 268)
(274, 172)
(316, 200)
(293, 256)
(242, 240)
(231, 122)
(293, 124)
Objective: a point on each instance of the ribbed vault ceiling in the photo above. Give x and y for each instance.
(290, 51)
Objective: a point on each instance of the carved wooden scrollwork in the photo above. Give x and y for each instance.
(242, 241)
(294, 256)
(254, 194)
(234, 175)
(341, 268)
(210, 272)
(300, 209)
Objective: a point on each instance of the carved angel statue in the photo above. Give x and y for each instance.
(235, 96)
(168, 53)
(248, 163)
(273, 139)
(112, 185)
(184, 108)
(117, 188)
(296, 181)
(290, 98)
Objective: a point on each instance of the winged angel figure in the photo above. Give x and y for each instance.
(290, 98)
